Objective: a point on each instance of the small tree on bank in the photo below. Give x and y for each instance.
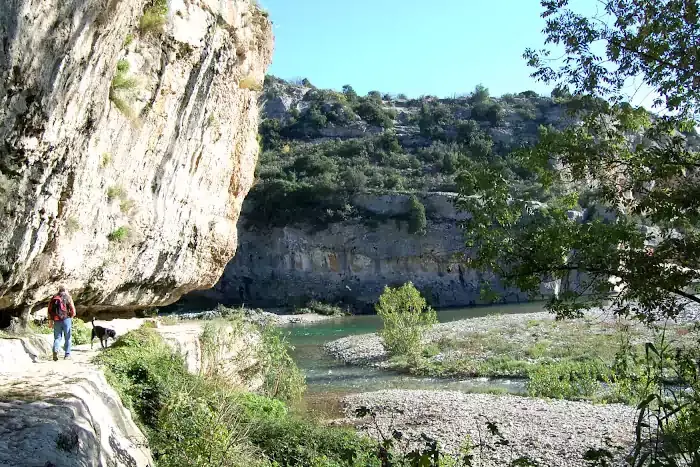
(406, 317)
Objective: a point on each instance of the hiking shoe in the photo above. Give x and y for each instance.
(55, 356)
(67, 357)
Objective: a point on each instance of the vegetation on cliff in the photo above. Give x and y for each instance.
(322, 147)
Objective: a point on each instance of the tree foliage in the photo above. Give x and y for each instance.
(406, 316)
(629, 164)
(417, 222)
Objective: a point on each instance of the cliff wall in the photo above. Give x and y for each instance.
(352, 261)
(129, 142)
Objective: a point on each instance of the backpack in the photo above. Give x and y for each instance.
(57, 308)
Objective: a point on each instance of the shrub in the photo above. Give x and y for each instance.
(489, 111)
(417, 222)
(72, 225)
(405, 317)
(290, 441)
(123, 85)
(373, 113)
(353, 179)
(479, 95)
(191, 420)
(349, 93)
(282, 378)
(154, 18)
(114, 192)
(119, 235)
(126, 205)
(80, 332)
(321, 308)
(566, 380)
(39, 328)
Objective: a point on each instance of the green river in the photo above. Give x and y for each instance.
(330, 378)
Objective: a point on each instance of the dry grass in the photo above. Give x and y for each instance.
(249, 82)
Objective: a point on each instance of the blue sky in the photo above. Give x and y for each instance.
(438, 47)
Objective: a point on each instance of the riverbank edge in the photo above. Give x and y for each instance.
(368, 350)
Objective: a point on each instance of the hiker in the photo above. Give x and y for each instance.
(61, 310)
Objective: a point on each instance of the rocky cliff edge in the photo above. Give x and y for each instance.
(129, 142)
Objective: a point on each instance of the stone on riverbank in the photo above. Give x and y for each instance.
(551, 432)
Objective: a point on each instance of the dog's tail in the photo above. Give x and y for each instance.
(93, 322)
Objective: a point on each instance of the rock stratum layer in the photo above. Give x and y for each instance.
(127, 150)
(353, 261)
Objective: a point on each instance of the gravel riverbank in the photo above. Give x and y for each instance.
(515, 330)
(367, 349)
(253, 316)
(551, 432)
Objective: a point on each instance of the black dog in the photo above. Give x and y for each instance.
(102, 333)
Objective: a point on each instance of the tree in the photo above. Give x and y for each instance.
(349, 93)
(417, 222)
(375, 96)
(526, 242)
(480, 95)
(406, 317)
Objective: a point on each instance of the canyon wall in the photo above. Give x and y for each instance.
(129, 142)
(351, 262)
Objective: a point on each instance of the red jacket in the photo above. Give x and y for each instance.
(70, 306)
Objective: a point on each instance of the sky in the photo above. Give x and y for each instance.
(416, 47)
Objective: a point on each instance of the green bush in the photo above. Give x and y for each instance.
(80, 332)
(121, 89)
(326, 309)
(405, 317)
(154, 17)
(566, 380)
(115, 192)
(118, 235)
(282, 378)
(291, 441)
(417, 222)
(39, 328)
(193, 420)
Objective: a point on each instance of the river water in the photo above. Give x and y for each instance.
(328, 378)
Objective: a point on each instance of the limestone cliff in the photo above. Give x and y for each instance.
(327, 218)
(352, 261)
(129, 131)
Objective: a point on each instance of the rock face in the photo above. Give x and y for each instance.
(327, 218)
(352, 261)
(231, 354)
(127, 150)
(62, 412)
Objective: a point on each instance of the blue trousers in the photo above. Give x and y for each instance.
(62, 330)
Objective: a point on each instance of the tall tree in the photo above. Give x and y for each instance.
(627, 166)
(621, 159)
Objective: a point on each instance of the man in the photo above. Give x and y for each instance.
(61, 312)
